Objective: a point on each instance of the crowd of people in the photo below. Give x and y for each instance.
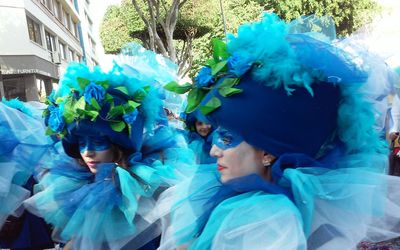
(280, 150)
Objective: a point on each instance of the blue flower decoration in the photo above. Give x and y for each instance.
(95, 91)
(130, 118)
(204, 77)
(237, 65)
(56, 119)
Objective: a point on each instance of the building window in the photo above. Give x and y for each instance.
(75, 29)
(34, 31)
(68, 22)
(49, 5)
(65, 18)
(58, 10)
(89, 22)
(63, 51)
(50, 41)
(71, 55)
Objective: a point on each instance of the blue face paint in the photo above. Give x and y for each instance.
(225, 139)
(93, 143)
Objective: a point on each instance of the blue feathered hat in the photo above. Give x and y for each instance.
(91, 102)
(284, 93)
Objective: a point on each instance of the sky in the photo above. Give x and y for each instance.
(98, 9)
(384, 36)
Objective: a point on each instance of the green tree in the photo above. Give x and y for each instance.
(188, 43)
(349, 15)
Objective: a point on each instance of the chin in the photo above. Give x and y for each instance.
(224, 179)
(93, 170)
(203, 134)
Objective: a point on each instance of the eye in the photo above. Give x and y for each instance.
(227, 140)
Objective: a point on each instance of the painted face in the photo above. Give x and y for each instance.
(225, 139)
(235, 157)
(95, 150)
(202, 128)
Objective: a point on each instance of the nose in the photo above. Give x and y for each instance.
(216, 151)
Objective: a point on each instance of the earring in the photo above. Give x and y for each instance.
(266, 163)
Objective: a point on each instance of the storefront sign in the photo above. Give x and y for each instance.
(24, 71)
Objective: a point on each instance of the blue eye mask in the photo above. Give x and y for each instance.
(225, 139)
(91, 143)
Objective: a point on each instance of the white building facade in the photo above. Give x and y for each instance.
(38, 38)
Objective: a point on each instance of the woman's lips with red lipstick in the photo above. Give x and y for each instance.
(220, 167)
(92, 163)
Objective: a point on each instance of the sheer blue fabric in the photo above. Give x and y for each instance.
(22, 149)
(201, 147)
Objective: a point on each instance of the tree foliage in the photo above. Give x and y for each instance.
(349, 15)
(122, 24)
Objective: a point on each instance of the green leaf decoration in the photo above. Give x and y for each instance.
(123, 90)
(80, 104)
(210, 63)
(82, 82)
(49, 131)
(62, 135)
(130, 106)
(179, 89)
(69, 116)
(108, 98)
(92, 114)
(220, 51)
(69, 111)
(95, 104)
(210, 106)
(104, 84)
(229, 91)
(133, 104)
(118, 126)
(229, 82)
(45, 113)
(115, 111)
(59, 100)
(218, 67)
(194, 98)
(147, 88)
(139, 95)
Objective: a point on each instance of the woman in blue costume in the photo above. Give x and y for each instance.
(109, 123)
(21, 150)
(199, 139)
(299, 163)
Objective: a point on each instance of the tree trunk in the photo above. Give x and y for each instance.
(168, 23)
